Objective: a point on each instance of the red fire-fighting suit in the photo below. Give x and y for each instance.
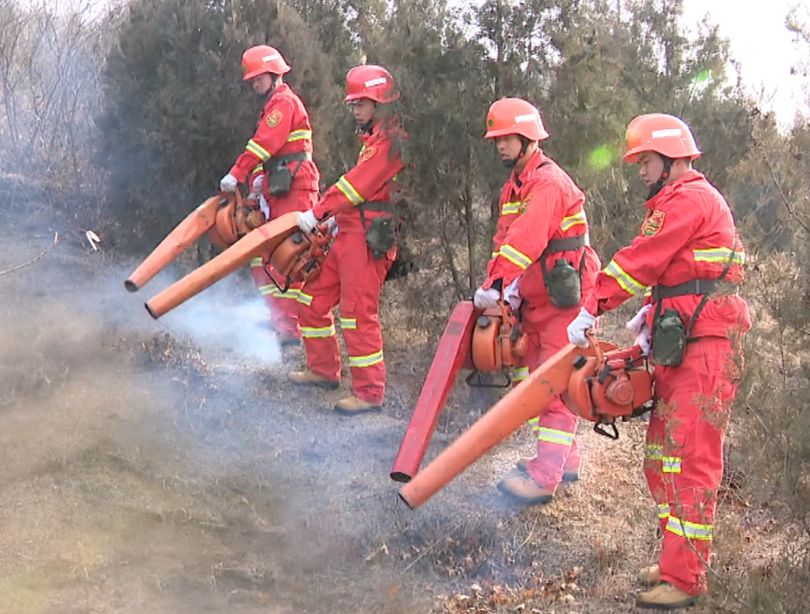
(283, 129)
(688, 234)
(351, 277)
(542, 204)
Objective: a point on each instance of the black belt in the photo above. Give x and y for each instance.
(379, 206)
(293, 157)
(566, 245)
(693, 286)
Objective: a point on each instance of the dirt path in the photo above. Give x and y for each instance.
(140, 473)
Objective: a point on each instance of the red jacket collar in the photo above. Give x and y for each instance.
(670, 188)
(534, 162)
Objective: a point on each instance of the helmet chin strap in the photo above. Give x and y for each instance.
(512, 162)
(656, 187)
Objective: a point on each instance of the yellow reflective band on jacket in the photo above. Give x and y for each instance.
(573, 220)
(534, 423)
(494, 254)
(690, 530)
(519, 374)
(653, 451)
(366, 361)
(628, 284)
(256, 262)
(663, 510)
(671, 464)
(555, 436)
(304, 298)
(718, 254)
(257, 150)
(309, 332)
(257, 169)
(272, 290)
(299, 135)
(516, 257)
(348, 323)
(347, 189)
(511, 208)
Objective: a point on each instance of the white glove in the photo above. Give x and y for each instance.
(486, 299)
(307, 221)
(258, 184)
(512, 295)
(228, 183)
(264, 206)
(638, 325)
(581, 325)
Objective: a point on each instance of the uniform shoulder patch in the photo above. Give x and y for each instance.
(367, 153)
(273, 118)
(653, 223)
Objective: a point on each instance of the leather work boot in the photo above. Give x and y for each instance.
(664, 596)
(649, 576)
(352, 406)
(522, 489)
(572, 475)
(308, 378)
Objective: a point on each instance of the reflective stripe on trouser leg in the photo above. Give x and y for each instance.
(698, 396)
(653, 452)
(315, 302)
(556, 424)
(362, 277)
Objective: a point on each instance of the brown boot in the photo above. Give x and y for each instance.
(568, 476)
(664, 596)
(308, 378)
(524, 490)
(352, 406)
(650, 576)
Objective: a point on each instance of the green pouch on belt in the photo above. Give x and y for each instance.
(564, 284)
(668, 339)
(381, 235)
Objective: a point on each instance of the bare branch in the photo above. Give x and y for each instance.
(33, 260)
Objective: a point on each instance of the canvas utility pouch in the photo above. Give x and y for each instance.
(279, 175)
(381, 235)
(564, 284)
(668, 339)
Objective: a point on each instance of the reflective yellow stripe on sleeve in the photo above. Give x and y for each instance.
(671, 464)
(653, 451)
(516, 257)
(718, 254)
(510, 208)
(573, 220)
(347, 189)
(627, 282)
(257, 150)
(299, 135)
(304, 298)
(663, 510)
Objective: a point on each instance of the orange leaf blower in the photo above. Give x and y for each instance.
(486, 342)
(602, 384)
(296, 255)
(224, 218)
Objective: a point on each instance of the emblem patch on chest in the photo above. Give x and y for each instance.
(273, 118)
(367, 153)
(653, 223)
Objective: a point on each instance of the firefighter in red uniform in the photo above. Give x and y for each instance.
(688, 254)
(541, 253)
(277, 164)
(355, 268)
